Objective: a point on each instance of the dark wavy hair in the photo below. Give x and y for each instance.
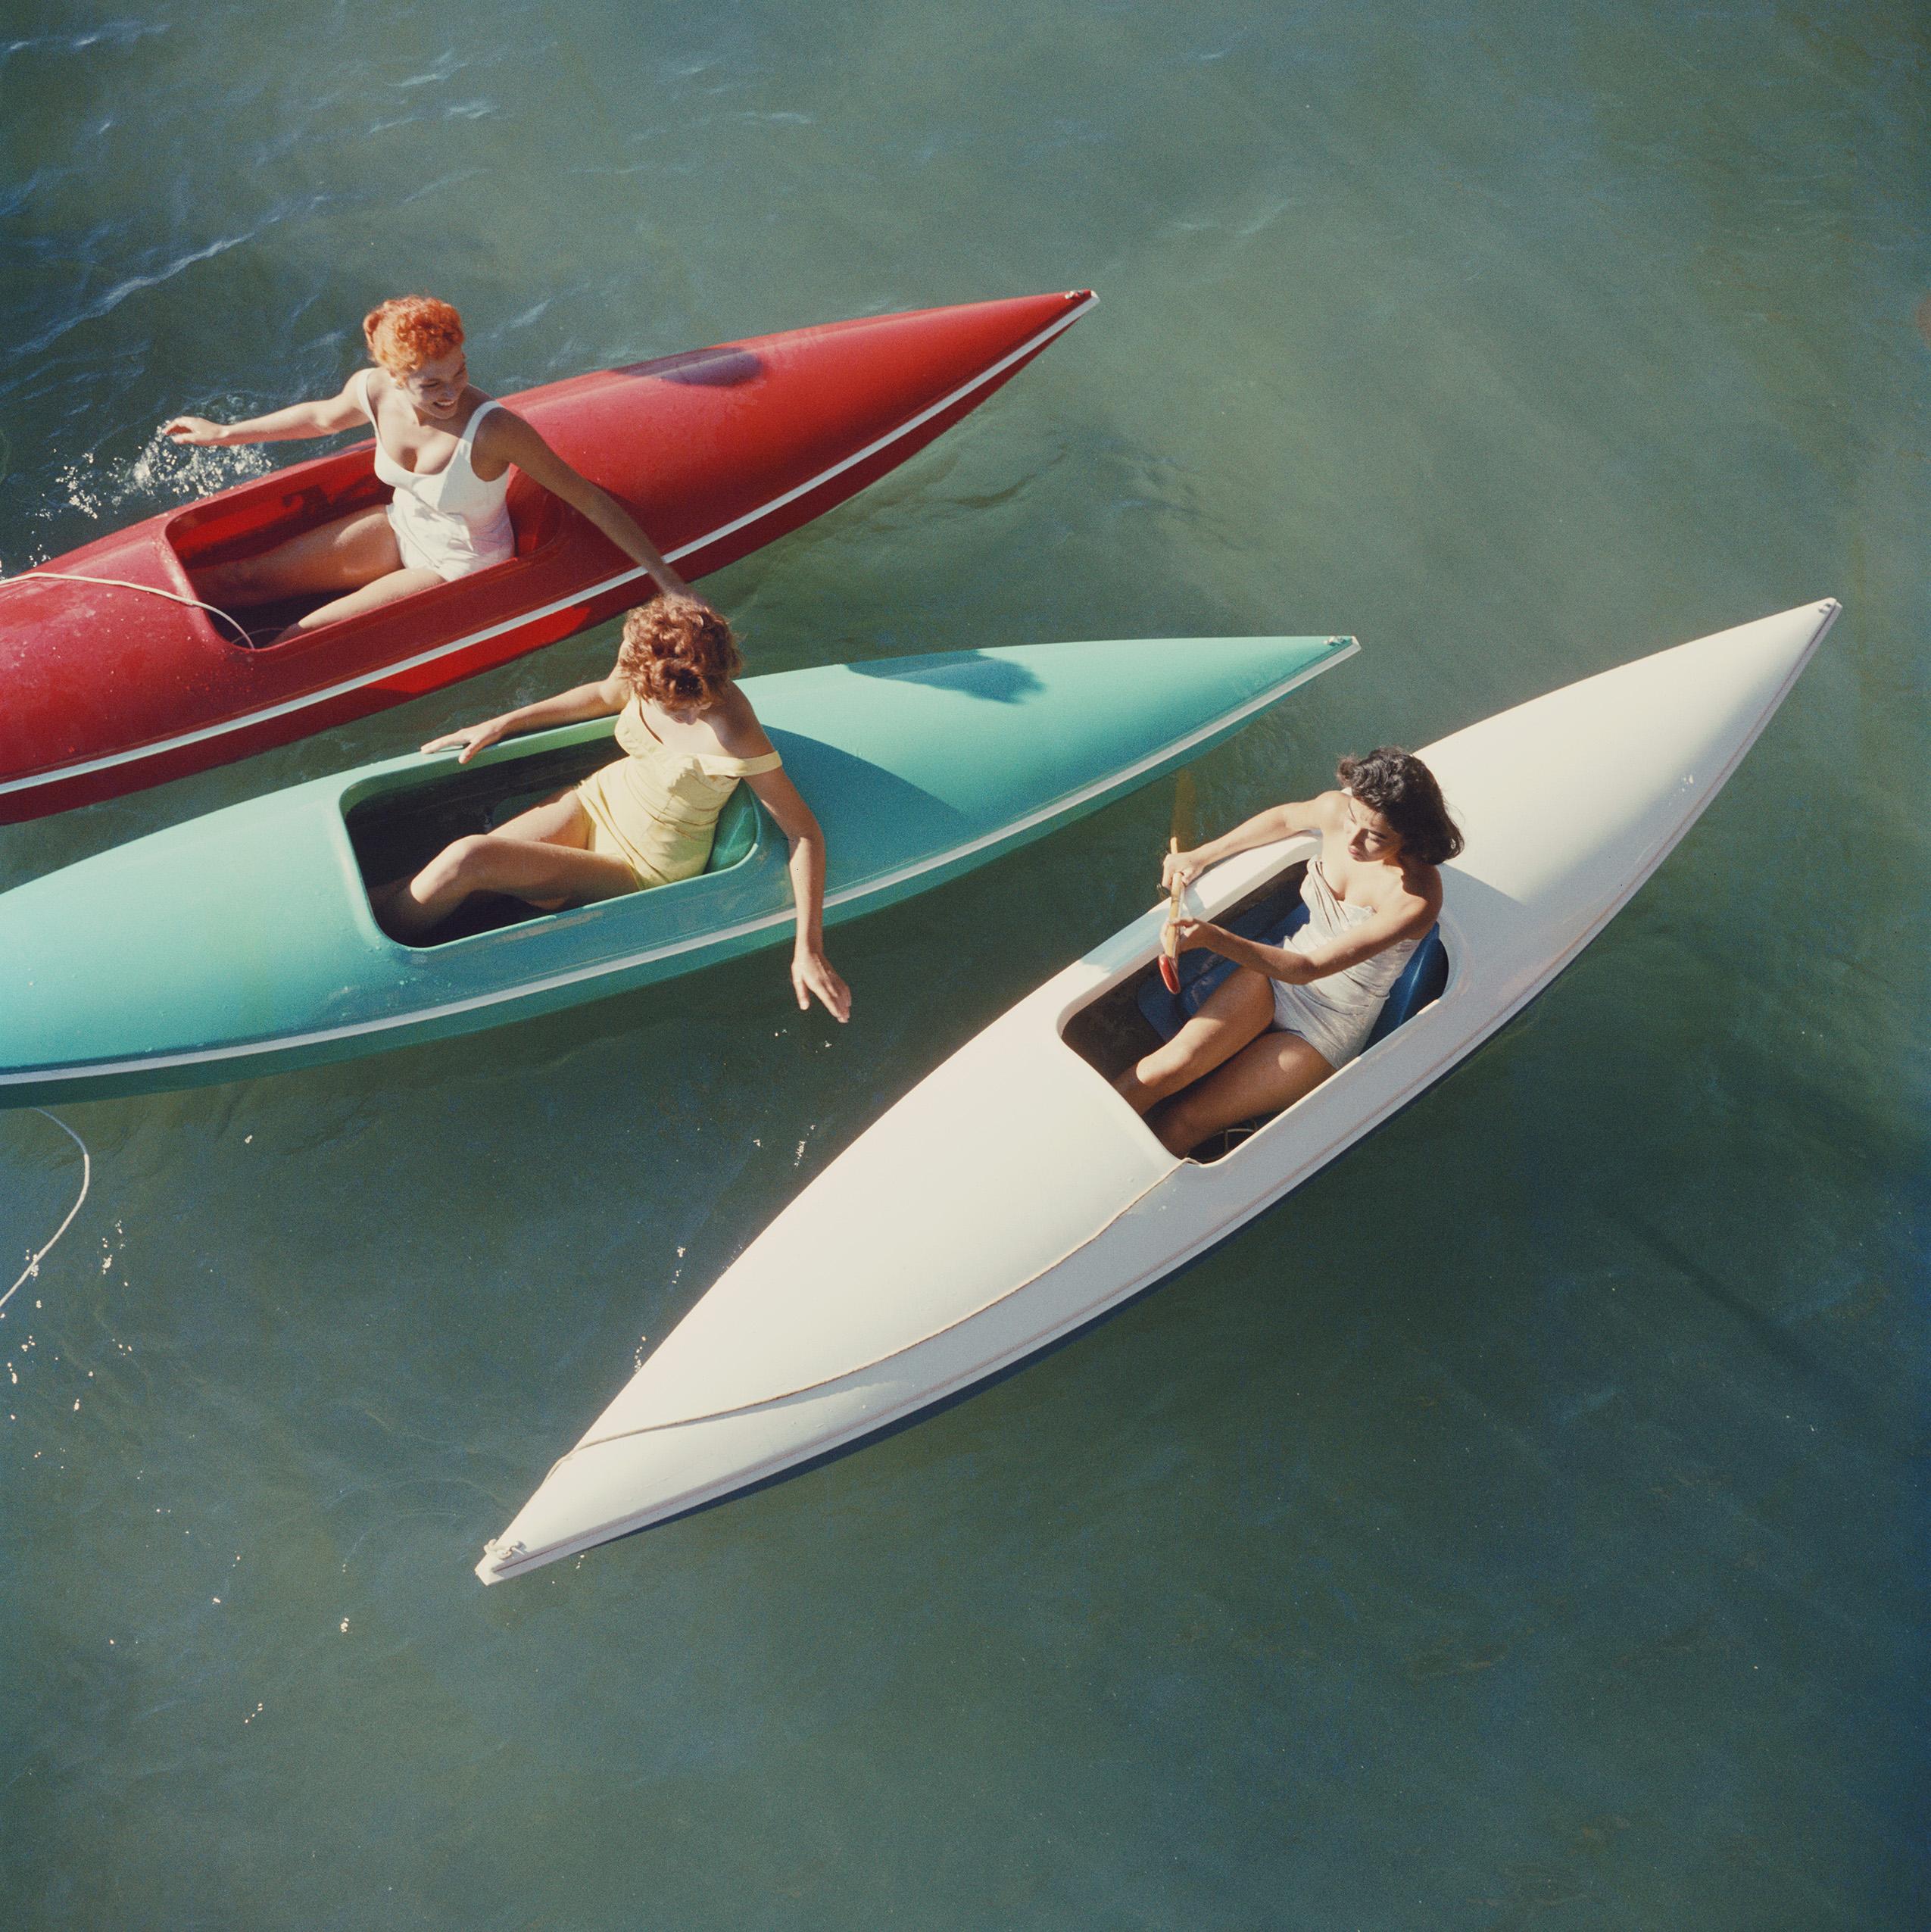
(677, 652)
(1401, 788)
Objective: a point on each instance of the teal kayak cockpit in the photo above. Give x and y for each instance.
(398, 824)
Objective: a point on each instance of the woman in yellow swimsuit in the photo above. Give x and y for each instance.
(690, 735)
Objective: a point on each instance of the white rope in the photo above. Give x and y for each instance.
(33, 1267)
(121, 583)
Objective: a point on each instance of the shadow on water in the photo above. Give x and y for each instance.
(723, 367)
(971, 672)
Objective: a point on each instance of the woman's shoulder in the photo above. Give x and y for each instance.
(739, 735)
(1421, 890)
(498, 437)
(493, 422)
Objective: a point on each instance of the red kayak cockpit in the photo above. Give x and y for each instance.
(259, 515)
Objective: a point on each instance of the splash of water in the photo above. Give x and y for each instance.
(160, 473)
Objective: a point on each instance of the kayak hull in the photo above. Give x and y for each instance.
(1011, 1199)
(716, 452)
(243, 942)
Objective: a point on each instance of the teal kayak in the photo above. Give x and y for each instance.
(243, 942)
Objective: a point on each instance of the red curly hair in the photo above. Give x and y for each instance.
(406, 331)
(678, 653)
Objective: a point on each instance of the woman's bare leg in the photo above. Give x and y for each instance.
(1266, 1075)
(353, 551)
(1240, 1007)
(540, 855)
(369, 597)
(356, 554)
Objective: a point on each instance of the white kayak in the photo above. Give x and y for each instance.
(1011, 1198)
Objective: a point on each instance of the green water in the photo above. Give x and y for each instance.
(1524, 1526)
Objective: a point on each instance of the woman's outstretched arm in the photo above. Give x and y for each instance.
(327, 417)
(1266, 827)
(512, 440)
(567, 707)
(812, 973)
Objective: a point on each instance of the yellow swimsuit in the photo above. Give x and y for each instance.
(657, 810)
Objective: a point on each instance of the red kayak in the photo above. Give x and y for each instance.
(104, 689)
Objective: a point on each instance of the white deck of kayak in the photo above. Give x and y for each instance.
(1011, 1198)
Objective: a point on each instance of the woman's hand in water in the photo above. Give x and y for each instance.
(1185, 866)
(813, 973)
(196, 430)
(1188, 933)
(469, 740)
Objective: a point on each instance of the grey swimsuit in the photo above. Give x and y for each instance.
(1335, 1014)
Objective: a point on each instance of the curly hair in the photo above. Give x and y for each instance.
(677, 652)
(1401, 788)
(406, 331)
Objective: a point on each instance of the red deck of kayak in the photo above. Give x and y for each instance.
(716, 452)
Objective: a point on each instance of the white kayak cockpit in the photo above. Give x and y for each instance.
(1133, 1013)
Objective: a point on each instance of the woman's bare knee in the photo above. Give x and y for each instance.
(1146, 1081)
(464, 863)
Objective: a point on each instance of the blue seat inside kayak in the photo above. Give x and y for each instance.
(1419, 984)
(737, 830)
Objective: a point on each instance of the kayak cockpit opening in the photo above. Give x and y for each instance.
(397, 829)
(244, 522)
(1132, 1018)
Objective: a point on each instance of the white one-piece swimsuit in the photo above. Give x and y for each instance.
(449, 520)
(1336, 1013)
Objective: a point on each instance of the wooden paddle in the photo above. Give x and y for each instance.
(1169, 938)
(1183, 821)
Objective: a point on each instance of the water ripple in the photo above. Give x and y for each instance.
(115, 33)
(105, 305)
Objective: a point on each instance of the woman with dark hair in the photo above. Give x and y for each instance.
(1289, 1015)
(444, 449)
(689, 734)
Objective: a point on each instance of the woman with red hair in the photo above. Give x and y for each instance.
(689, 735)
(444, 449)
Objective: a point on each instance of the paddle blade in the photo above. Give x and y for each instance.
(1184, 815)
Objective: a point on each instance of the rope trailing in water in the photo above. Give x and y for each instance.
(121, 583)
(86, 1178)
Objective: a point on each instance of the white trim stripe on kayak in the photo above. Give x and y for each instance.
(111, 759)
(868, 888)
